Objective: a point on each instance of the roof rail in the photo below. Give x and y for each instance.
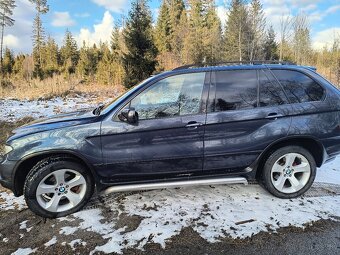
(231, 63)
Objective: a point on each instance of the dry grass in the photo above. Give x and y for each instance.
(56, 86)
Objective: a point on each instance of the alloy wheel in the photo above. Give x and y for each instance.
(61, 190)
(290, 173)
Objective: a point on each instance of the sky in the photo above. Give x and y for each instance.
(92, 20)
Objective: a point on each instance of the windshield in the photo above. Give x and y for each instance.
(120, 98)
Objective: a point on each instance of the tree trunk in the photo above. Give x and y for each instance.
(1, 44)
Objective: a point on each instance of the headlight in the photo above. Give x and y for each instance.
(5, 150)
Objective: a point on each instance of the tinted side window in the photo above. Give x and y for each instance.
(236, 90)
(271, 92)
(173, 96)
(299, 87)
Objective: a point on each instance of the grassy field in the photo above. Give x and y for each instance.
(54, 87)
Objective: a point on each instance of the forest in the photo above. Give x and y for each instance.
(185, 32)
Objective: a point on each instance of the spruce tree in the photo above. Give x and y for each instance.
(52, 58)
(69, 53)
(212, 33)
(270, 45)
(38, 36)
(256, 34)
(8, 62)
(162, 31)
(178, 27)
(140, 60)
(6, 11)
(236, 31)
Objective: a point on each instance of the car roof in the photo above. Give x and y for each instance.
(237, 67)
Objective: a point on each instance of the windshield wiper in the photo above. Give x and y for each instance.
(98, 109)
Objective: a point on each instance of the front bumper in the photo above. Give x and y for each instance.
(6, 171)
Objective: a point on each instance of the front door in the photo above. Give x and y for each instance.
(168, 138)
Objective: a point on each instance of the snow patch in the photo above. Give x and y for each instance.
(51, 242)
(13, 110)
(329, 173)
(76, 242)
(25, 251)
(67, 230)
(23, 225)
(222, 211)
(9, 202)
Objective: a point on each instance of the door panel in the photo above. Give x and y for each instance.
(163, 143)
(234, 137)
(161, 146)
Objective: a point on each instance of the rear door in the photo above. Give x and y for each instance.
(247, 111)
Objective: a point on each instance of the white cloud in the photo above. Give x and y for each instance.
(62, 19)
(82, 15)
(101, 32)
(333, 9)
(222, 14)
(19, 36)
(115, 6)
(325, 37)
(11, 41)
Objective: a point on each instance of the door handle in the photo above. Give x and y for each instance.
(274, 116)
(193, 125)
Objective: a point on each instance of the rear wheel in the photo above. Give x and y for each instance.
(289, 172)
(57, 187)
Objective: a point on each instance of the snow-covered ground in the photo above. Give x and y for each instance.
(213, 212)
(234, 211)
(13, 110)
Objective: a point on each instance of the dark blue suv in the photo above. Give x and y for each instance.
(275, 123)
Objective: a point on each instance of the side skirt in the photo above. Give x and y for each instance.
(175, 184)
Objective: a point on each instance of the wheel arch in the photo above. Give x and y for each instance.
(309, 143)
(24, 166)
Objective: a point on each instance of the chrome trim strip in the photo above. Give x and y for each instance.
(175, 184)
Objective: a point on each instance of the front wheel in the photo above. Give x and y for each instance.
(289, 172)
(57, 186)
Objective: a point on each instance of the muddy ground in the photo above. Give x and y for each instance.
(320, 237)
(21, 229)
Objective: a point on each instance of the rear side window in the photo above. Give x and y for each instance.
(271, 93)
(299, 87)
(236, 90)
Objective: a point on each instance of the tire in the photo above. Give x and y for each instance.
(58, 186)
(289, 172)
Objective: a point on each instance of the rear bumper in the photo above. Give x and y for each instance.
(6, 170)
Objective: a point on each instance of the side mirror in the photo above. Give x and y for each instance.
(129, 116)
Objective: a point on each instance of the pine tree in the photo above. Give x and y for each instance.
(140, 60)
(52, 58)
(84, 63)
(89, 57)
(212, 33)
(69, 53)
(8, 62)
(178, 28)
(203, 43)
(6, 11)
(236, 31)
(256, 35)
(270, 45)
(38, 36)
(162, 31)
(115, 43)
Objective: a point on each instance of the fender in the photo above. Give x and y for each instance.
(289, 140)
(51, 153)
